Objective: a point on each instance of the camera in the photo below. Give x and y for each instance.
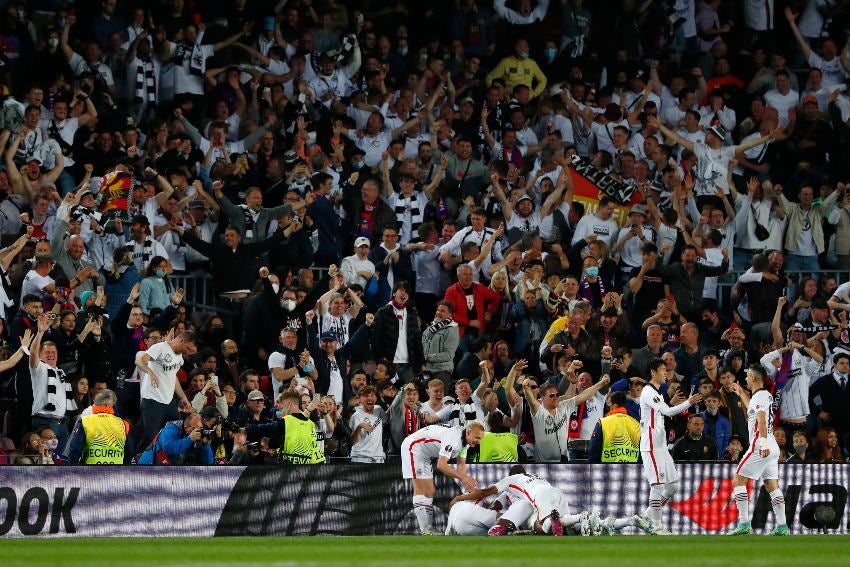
(254, 446)
(207, 433)
(227, 425)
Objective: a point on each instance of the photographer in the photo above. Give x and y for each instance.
(185, 442)
(294, 435)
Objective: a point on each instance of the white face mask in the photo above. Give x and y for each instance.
(288, 304)
(276, 288)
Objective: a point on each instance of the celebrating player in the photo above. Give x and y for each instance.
(761, 461)
(442, 443)
(657, 462)
(470, 518)
(549, 504)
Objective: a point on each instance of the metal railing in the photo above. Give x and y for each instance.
(726, 283)
(200, 288)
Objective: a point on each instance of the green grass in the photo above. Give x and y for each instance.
(434, 551)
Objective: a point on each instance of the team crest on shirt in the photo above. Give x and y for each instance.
(448, 449)
(661, 475)
(167, 359)
(656, 399)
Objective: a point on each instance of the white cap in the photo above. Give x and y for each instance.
(361, 241)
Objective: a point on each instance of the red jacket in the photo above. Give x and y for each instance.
(486, 301)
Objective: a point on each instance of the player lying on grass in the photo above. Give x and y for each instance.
(476, 518)
(443, 443)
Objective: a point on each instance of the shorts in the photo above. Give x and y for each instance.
(414, 463)
(551, 500)
(466, 518)
(521, 514)
(756, 467)
(658, 466)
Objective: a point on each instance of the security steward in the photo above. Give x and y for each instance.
(498, 445)
(294, 435)
(616, 438)
(99, 438)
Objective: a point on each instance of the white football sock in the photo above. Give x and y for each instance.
(423, 508)
(655, 499)
(777, 500)
(742, 501)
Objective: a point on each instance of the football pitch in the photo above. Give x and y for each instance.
(623, 551)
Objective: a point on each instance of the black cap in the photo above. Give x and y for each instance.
(209, 412)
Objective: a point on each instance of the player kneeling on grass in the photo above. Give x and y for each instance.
(761, 461)
(442, 443)
(550, 510)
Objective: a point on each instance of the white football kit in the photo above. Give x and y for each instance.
(752, 464)
(427, 444)
(657, 463)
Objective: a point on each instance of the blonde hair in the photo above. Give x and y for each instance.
(474, 426)
(506, 293)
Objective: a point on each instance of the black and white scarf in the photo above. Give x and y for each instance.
(249, 219)
(438, 325)
(147, 247)
(416, 216)
(145, 90)
(60, 396)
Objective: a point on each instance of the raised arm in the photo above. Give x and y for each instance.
(801, 41)
(668, 133)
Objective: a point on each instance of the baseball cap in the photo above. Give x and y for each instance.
(361, 241)
(524, 198)
(290, 157)
(639, 209)
(210, 412)
(718, 131)
(328, 336)
(256, 395)
(810, 99)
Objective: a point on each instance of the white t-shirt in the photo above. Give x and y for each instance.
(184, 80)
(605, 230)
(524, 487)
(551, 431)
(842, 292)
(712, 168)
(337, 326)
(34, 283)
(782, 102)
(374, 146)
(833, 72)
(370, 444)
(165, 363)
(595, 408)
(335, 386)
(437, 441)
(278, 360)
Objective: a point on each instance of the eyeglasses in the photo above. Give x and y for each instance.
(155, 338)
(535, 387)
(551, 395)
(259, 401)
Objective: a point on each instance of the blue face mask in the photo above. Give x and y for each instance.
(551, 52)
(592, 271)
(402, 51)
(159, 274)
(358, 164)
(523, 55)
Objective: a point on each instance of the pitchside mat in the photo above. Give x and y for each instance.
(355, 500)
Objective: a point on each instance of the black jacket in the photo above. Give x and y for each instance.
(833, 400)
(689, 449)
(385, 336)
(358, 341)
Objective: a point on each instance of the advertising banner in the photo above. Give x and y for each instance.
(350, 499)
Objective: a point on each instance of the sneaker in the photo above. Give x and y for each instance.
(595, 524)
(780, 530)
(497, 530)
(643, 524)
(427, 533)
(608, 526)
(660, 530)
(557, 526)
(584, 524)
(743, 528)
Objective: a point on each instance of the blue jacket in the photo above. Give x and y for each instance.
(175, 443)
(153, 294)
(632, 407)
(118, 290)
(719, 428)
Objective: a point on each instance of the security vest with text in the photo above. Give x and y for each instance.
(620, 437)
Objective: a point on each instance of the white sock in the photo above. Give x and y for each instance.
(777, 500)
(668, 492)
(570, 520)
(620, 523)
(655, 499)
(423, 508)
(742, 501)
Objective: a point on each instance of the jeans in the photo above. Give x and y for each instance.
(742, 260)
(798, 263)
(154, 417)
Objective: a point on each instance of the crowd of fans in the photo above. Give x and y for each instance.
(385, 194)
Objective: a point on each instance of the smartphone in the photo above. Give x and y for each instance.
(317, 398)
(693, 390)
(214, 380)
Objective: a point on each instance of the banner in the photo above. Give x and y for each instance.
(351, 499)
(589, 182)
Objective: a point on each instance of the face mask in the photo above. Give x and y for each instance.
(288, 304)
(402, 51)
(800, 449)
(52, 444)
(233, 356)
(523, 55)
(53, 42)
(551, 52)
(592, 271)
(275, 288)
(280, 413)
(358, 164)
(712, 411)
(159, 274)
